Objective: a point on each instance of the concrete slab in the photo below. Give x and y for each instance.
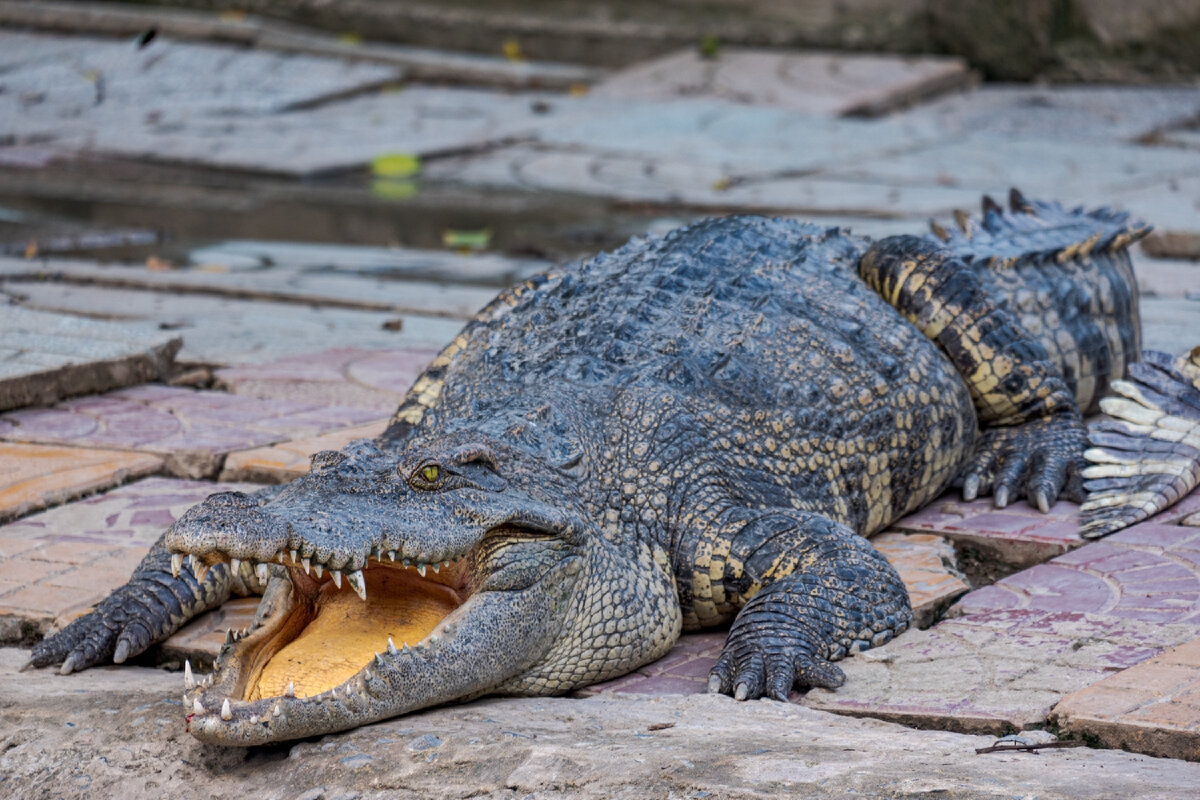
(1071, 171)
(286, 461)
(1169, 278)
(339, 291)
(36, 476)
(45, 357)
(1170, 324)
(120, 731)
(191, 431)
(1151, 708)
(225, 331)
(1065, 113)
(711, 187)
(489, 269)
(835, 84)
(56, 564)
(347, 376)
(1172, 207)
(994, 672)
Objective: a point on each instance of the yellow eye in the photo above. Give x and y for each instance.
(430, 473)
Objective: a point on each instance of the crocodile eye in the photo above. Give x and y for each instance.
(430, 473)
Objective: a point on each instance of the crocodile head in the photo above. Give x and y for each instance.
(397, 580)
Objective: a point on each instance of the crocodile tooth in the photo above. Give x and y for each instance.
(176, 564)
(294, 555)
(235, 566)
(437, 566)
(407, 562)
(406, 648)
(445, 563)
(307, 565)
(253, 719)
(226, 711)
(391, 647)
(367, 670)
(290, 691)
(277, 710)
(333, 692)
(263, 572)
(189, 680)
(336, 574)
(279, 556)
(196, 707)
(229, 636)
(421, 570)
(391, 555)
(317, 568)
(450, 629)
(356, 582)
(198, 569)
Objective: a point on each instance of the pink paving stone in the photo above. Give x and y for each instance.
(1151, 708)
(345, 376)
(992, 672)
(201, 639)
(72, 556)
(192, 430)
(1018, 536)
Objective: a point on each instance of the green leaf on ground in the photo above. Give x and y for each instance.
(395, 165)
(467, 240)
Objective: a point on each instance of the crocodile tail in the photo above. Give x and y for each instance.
(1146, 457)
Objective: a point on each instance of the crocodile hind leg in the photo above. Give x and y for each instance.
(1147, 456)
(811, 591)
(158, 598)
(1032, 433)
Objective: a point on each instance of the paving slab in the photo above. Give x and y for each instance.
(45, 357)
(835, 84)
(191, 431)
(1085, 172)
(1173, 208)
(1170, 324)
(201, 639)
(490, 269)
(1149, 572)
(286, 461)
(1065, 113)
(55, 565)
(331, 290)
(694, 183)
(1010, 538)
(119, 731)
(995, 672)
(227, 331)
(1151, 708)
(36, 476)
(1169, 278)
(346, 376)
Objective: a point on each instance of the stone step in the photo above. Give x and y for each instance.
(35, 476)
(190, 432)
(1151, 708)
(45, 357)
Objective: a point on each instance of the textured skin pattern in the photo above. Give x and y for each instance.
(691, 430)
(1147, 456)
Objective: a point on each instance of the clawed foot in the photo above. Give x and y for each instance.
(1039, 460)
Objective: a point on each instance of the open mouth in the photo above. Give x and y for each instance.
(318, 630)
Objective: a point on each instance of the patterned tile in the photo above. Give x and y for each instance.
(36, 476)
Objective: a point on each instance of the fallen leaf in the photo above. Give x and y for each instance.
(351, 38)
(512, 50)
(710, 47)
(393, 189)
(31, 249)
(396, 165)
(467, 240)
(578, 89)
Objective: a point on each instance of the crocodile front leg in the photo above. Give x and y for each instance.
(1033, 435)
(812, 591)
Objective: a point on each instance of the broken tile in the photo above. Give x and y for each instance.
(70, 557)
(835, 84)
(45, 357)
(191, 431)
(289, 460)
(347, 376)
(1151, 708)
(992, 672)
(35, 476)
(927, 564)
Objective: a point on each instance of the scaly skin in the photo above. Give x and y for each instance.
(690, 431)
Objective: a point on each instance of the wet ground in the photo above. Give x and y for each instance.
(220, 260)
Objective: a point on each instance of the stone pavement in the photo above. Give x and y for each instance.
(288, 349)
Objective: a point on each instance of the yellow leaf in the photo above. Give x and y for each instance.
(467, 240)
(351, 38)
(512, 50)
(578, 89)
(395, 165)
(722, 184)
(31, 249)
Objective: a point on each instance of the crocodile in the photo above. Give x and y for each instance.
(695, 430)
